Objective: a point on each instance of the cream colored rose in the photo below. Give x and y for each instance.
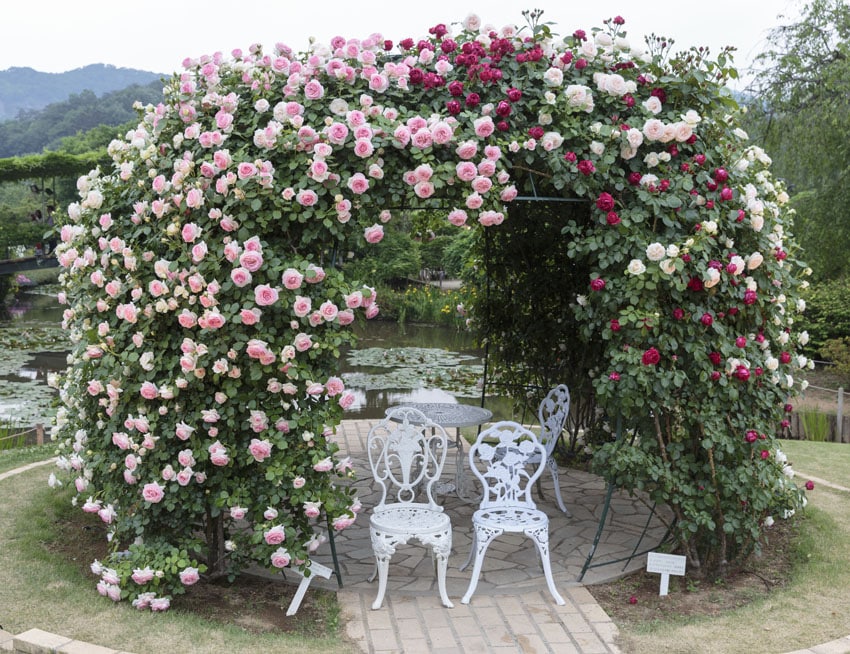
(636, 267)
(655, 252)
(754, 260)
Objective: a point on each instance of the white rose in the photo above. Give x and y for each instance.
(636, 267)
(597, 148)
(803, 338)
(652, 105)
(553, 77)
(668, 266)
(771, 363)
(709, 227)
(655, 252)
(672, 251)
(635, 137)
(801, 305)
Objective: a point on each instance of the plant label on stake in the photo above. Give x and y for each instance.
(665, 565)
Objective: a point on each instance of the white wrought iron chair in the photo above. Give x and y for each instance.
(406, 454)
(552, 414)
(506, 505)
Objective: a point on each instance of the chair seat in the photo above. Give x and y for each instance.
(409, 519)
(510, 518)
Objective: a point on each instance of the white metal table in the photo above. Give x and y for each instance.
(456, 416)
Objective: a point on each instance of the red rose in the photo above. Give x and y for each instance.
(615, 325)
(707, 319)
(613, 218)
(597, 284)
(810, 485)
(651, 357)
(605, 202)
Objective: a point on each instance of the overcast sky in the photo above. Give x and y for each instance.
(59, 35)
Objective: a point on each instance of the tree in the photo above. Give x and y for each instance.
(800, 110)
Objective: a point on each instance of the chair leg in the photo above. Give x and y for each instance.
(472, 549)
(483, 537)
(553, 468)
(540, 536)
(383, 566)
(442, 565)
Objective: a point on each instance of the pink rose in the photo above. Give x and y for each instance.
(345, 317)
(483, 126)
(313, 90)
(346, 400)
(292, 279)
(329, 310)
(245, 170)
(187, 319)
(358, 183)
(149, 391)
(306, 197)
(251, 260)
(457, 217)
(240, 276)
(303, 342)
(143, 576)
(153, 492)
(238, 512)
(325, 465)
(312, 509)
(371, 311)
(315, 274)
(302, 306)
(265, 295)
(299, 482)
(189, 576)
(481, 184)
(160, 604)
(343, 522)
(334, 386)
(199, 251)
(218, 454)
(374, 234)
(280, 558)
(190, 232)
(260, 450)
(466, 171)
(250, 316)
(275, 536)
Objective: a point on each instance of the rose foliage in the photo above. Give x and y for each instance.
(207, 311)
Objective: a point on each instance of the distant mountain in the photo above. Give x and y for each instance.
(25, 89)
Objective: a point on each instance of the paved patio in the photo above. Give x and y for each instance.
(512, 609)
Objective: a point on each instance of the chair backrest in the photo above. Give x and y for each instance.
(507, 458)
(552, 414)
(406, 453)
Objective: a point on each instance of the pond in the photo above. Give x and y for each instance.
(391, 364)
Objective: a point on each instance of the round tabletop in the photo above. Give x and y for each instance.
(450, 415)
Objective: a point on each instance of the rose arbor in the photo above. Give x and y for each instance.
(207, 306)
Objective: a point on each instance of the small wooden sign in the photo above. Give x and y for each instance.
(665, 565)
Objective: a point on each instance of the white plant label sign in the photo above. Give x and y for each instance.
(665, 565)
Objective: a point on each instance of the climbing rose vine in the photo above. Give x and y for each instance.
(207, 303)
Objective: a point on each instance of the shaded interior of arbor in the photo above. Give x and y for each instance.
(532, 338)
